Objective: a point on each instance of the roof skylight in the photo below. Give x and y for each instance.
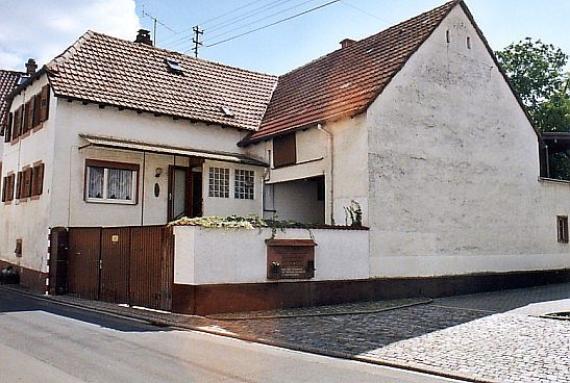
(227, 111)
(173, 65)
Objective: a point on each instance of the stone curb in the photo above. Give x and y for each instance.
(291, 346)
(309, 315)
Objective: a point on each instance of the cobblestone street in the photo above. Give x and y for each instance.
(469, 336)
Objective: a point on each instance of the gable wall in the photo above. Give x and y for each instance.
(454, 169)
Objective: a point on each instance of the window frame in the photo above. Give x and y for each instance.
(106, 165)
(212, 192)
(248, 194)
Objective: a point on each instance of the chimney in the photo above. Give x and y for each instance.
(346, 43)
(143, 37)
(31, 66)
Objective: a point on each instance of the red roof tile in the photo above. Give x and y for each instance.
(8, 82)
(108, 70)
(346, 81)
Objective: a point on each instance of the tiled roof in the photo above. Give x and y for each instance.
(107, 70)
(8, 80)
(346, 81)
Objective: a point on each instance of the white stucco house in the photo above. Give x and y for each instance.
(417, 124)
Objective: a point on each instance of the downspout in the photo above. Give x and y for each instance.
(143, 188)
(331, 155)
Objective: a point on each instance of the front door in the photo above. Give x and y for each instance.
(184, 193)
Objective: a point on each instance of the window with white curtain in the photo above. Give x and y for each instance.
(111, 183)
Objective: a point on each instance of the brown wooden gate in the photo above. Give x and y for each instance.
(132, 265)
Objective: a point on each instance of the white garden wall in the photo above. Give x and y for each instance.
(212, 256)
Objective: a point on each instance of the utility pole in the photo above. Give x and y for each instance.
(196, 39)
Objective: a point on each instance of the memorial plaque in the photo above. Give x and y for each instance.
(290, 259)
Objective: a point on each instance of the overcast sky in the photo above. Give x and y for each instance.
(43, 29)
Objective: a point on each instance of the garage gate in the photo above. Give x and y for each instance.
(132, 265)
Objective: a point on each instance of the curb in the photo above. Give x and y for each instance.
(291, 346)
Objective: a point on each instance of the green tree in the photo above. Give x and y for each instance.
(537, 72)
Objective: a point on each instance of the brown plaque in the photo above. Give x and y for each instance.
(290, 259)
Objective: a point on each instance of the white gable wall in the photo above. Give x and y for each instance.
(454, 169)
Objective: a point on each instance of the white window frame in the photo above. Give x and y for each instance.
(242, 179)
(219, 191)
(105, 199)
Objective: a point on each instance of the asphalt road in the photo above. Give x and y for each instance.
(45, 342)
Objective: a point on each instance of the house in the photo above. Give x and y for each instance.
(417, 127)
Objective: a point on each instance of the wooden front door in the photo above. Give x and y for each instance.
(184, 193)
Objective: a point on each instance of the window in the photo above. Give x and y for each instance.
(8, 127)
(24, 183)
(219, 183)
(8, 188)
(284, 150)
(468, 42)
(17, 128)
(111, 182)
(244, 184)
(228, 112)
(562, 222)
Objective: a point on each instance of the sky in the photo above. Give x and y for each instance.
(44, 28)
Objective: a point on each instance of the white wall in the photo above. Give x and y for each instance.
(75, 118)
(28, 220)
(342, 161)
(297, 201)
(454, 168)
(208, 256)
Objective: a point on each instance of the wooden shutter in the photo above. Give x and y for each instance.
(37, 180)
(8, 128)
(19, 187)
(27, 183)
(44, 107)
(28, 117)
(9, 188)
(17, 130)
(284, 150)
(37, 109)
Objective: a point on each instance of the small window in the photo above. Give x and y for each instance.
(468, 42)
(447, 36)
(244, 184)
(111, 182)
(562, 222)
(284, 150)
(173, 65)
(219, 183)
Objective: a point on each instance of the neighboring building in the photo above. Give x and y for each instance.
(417, 124)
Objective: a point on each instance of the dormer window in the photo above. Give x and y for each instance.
(173, 65)
(228, 112)
(22, 79)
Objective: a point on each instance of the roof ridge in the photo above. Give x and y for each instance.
(155, 48)
(12, 71)
(450, 4)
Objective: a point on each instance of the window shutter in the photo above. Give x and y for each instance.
(8, 192)
(19, 186)
(44, 108)
(38, 180)
(17, 123)
(284, 150)
(37, 109)
(8, 128)
(28, 117)
(27, 190)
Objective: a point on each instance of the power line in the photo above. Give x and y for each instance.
(272, 24)
(361, 10)
(223, 24)
(259, 19)
(155, 21)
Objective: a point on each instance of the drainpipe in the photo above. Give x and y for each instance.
(331, 155)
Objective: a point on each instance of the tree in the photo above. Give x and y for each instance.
(536, 70)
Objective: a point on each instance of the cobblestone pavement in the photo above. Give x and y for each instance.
(472, 335)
